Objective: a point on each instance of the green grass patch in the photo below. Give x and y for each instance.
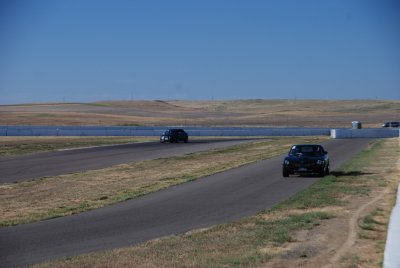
(359, 163)
(279, 231)
(44, 115)
(370, 223)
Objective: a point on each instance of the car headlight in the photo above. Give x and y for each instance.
(286, 162)
(320, 162)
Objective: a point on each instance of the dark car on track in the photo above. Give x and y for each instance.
(174, 135)
(306, 159)
(391, 124)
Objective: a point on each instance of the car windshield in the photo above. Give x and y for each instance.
(306, 150)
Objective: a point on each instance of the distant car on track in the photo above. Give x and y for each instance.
(306, 159)
(391, 124)
(174, 135)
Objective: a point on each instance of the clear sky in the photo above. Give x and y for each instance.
(89, 50)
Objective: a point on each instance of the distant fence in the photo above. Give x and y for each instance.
(155, 131)
(365, 133)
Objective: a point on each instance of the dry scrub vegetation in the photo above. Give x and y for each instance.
(73, 193)
(270, 113)
(338, 222)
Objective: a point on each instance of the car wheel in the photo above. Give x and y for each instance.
(186, 140)
(285, 173)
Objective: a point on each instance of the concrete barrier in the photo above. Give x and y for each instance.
(365, 133)
(155, 131)
(195, 131)
(392, 257)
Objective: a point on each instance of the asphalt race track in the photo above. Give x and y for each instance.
(28, 167)
(220, 198)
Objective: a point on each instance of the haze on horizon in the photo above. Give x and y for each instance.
(92, 50)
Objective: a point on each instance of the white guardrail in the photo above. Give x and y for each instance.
(156, 131)
(392, 249)
(365, 133)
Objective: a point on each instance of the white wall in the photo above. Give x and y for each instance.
(155, 131)
(365, 133)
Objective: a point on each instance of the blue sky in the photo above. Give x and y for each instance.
(90, 50)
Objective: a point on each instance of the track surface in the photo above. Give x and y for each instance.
(28, 167)
(215, 199)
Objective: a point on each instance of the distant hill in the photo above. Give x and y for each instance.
(259, 112)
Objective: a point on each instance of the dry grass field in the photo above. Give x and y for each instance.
(266, 113)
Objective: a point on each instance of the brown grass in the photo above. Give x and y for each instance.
(304, 113)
